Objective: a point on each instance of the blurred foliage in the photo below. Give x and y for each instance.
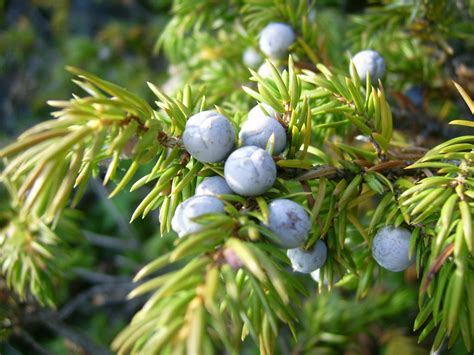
(37, 40)
(41, 37)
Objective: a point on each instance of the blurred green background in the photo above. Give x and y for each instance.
(114, 39)
(39, 38)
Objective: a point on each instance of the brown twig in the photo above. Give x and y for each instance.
(50, 321)
(320, 171)
(378, 150)
(118, 290)
(309, 196)
(391, 164)
(308, 66)
(26, 338)
(436, 266)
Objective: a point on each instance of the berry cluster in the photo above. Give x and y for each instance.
(251, 171)
(248, 171)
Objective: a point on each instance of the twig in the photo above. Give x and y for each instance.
(32, 343)
(98, 277)
(308, 66)
(320, 171)
(309, 196)
(436, 266)
(109, 242)
(76, 337)
(124, 227)
(378, 149)
(391, 164)
(119, 292)
(53, 323)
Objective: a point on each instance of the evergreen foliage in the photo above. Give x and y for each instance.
(344, 162)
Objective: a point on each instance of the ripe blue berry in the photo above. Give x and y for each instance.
(252, 58)
(390, 248)
(306, 261)
(182, 222)
(289, 221)
(250, 171)
(264, 69)
(209, 137)
(275, 39)
(316, 275)
(256, 112)
(258, 129)
(369, 62)
(213, 185)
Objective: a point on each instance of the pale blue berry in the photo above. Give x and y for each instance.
(252, 58)
(306, 261)
(275, 39)
(258, 129)
(264, 70)
(369, 62)
(390, 248)
(209, 137)
(316, 275)
(250, 171)
(256, 112)
(289, 221)
(213, 185)
(182, 222)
